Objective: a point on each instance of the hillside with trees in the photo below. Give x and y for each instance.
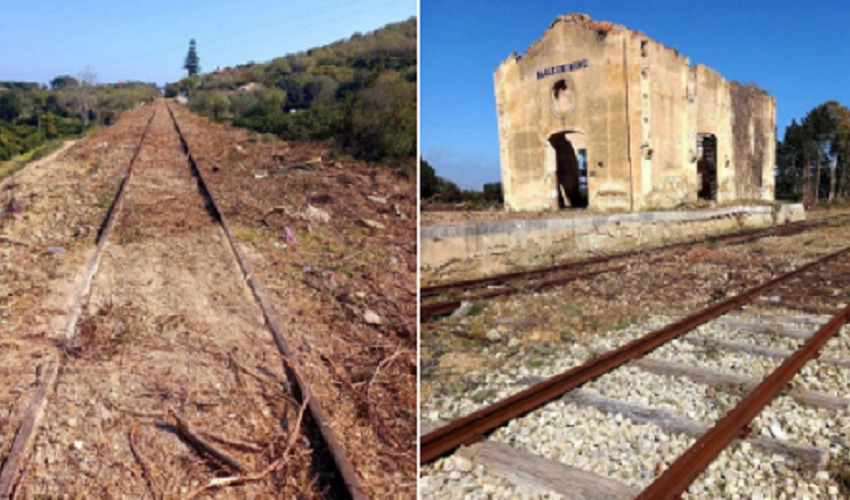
(361, 92)
(32, 114)
(813, 159)
(435, 192)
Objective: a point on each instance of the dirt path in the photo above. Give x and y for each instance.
(169, 325)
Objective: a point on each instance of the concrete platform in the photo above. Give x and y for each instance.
(483, 248)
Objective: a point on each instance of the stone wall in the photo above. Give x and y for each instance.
(457, 252)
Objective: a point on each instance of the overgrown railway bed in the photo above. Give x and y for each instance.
(445, 298)
(748, 396)
(171, 373)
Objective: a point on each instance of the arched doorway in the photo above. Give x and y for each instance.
(570, 171)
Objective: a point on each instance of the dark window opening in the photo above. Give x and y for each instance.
(560, 86)
(571, 172)
(707, 166)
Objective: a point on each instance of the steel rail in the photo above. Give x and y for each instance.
(745, 236)
(473, 427)
(429, 311)
(351, 483)
(676, 479)
(10, 470)
(442, 308)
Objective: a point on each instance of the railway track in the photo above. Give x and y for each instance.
(166, 365)
(770, 346)
(452, 295)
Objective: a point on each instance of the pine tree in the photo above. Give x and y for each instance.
(192, 64)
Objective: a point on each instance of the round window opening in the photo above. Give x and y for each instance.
(563, 98)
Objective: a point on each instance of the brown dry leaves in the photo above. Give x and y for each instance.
(323, 285)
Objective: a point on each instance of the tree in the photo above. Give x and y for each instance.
(192, 63)
(63, 81)
(431, 184)
(369, 109)
(839, 147)
(219, 103)
(427, 180)
(493, 191)
(821, 140)
(822, 125)
(85, 94)
(49, 121)
(10, 105)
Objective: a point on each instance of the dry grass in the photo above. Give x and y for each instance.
(107, 332)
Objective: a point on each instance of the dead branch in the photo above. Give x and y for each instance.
(382, 429)
(262, 380)
(115, 406)
(146, 471)
(12, 241)
(278, 464)
(204, 446)
(248, 371)
(234, 443)
(381, 365)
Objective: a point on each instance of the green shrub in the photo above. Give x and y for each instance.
(360, 91)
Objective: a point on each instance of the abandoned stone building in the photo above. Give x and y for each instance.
(596, 115)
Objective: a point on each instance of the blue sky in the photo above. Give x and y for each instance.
(797, 51)
(148, 40)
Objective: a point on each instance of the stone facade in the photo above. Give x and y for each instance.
(596, 103)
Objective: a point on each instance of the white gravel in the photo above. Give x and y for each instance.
(722, 360)
(616, 447)
(456, 478)
(805, 425)
(586, 438)
(743, 472)
(514, 370)
(680, 395)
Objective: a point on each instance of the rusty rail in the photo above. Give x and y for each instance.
(22, 445)
(473, 427)
(745, 236)
(351, 486)
(429, 311)
(675, 480)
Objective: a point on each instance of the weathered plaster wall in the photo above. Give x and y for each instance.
(753, 149)
(639, 107)
(482, 249)
(673, 177)
(526, 118)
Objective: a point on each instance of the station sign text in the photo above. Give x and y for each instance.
(563, 68)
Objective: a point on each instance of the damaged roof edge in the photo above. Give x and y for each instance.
(579, 19)
(586, 22)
